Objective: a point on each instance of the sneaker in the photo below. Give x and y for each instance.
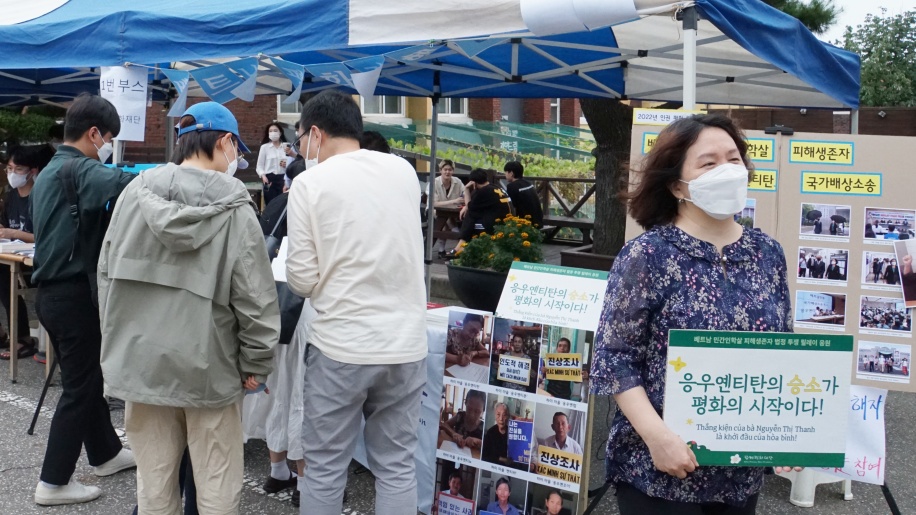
(295, 499)
(72, 493)
(40, 357)
(274, 485)
(123, 461)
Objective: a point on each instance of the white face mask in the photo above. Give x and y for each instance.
(311, 162)
(233, 164)
(273, 135)
(105, 150)
(16, 180)
(720, 192)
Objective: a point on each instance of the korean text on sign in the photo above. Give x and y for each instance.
(761, 149)
(563, 367)
(763, 180)
(558, 464)
(835, 183)
(514, 370)
(769, 395)
(822, 152)
(451, 505)
(648, 141)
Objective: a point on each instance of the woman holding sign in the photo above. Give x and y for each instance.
(693, 268)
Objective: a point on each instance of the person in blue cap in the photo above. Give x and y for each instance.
(189, 314)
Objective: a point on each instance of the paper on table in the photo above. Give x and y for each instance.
(452, 447)
(279, 263)
(471, 372)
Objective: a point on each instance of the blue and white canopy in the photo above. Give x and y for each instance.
(747, 52)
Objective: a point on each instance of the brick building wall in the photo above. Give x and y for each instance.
(570, 111)
(484, 109)
(536, 110)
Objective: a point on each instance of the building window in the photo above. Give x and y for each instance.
(290, 108)
(555, 110)
(383, 105)
(454, 106)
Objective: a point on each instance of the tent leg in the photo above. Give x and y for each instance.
(690, 57)
(854, 121)
(430, 198)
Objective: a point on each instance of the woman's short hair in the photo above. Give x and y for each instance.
(651, 203)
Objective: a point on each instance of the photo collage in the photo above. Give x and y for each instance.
(846, 262)
(513, 417)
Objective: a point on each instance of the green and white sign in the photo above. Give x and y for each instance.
(553, 295)
(759, 399)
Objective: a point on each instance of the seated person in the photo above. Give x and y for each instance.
(891, 233)
(24, 165)
(449, 193)
(485, 203)
(461, 343)
(496, 440)
(524, 196)
(466, 427)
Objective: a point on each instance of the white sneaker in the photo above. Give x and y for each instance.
(72, 493)
(123, 461)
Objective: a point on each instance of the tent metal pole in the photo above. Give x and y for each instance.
(854, 121)
(431, 184)
(690, 57)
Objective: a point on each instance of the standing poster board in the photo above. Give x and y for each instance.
(126, 88)
(514, 406)
(848, 200)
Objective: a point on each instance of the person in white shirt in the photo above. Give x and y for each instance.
(454, 485)
(273, 157)
(356, 250)
(560, 439)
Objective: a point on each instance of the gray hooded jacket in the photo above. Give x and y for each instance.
(187, 299)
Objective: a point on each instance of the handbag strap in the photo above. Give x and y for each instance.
(279, 220)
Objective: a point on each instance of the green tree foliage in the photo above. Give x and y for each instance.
(816, 15)
(18, 127)
(887, 47)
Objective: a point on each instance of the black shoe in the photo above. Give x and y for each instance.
(115, 404)
(273, 485)
(295, 499)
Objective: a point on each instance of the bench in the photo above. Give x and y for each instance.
(553, 223)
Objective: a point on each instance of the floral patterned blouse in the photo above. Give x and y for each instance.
(666, 279)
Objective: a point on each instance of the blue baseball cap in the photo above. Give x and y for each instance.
(211, 116)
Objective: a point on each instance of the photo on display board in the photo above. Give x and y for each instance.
(888, 362)
(884, 225)
(825, 220)
(905, 252)
(498, 492)
(461, 416)
(508, 438)
(515, 358)
(547, 500)
(747, 215)
(885, 314)
(455, 488)
(560, 438)
(564, 367)
(825, 309)
(822, 264)
(875, 267)
(467, 349)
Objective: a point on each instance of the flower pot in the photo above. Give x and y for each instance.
(476, 288)
(582, 257)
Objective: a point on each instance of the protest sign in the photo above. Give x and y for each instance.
(865, 443)
(452, 505)
(555, 295)
(125, 88)
(759, 398)
(514, 370)
(563, 367)
(520, 436)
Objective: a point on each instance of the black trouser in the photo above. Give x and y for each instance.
(23, 316)
(631, 501)
(66, 310)
(273, 188)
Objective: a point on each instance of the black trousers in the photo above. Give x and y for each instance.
(631, 501)
(23, 317)
(66, 310)
(274, 187)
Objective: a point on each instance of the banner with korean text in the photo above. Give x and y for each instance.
(514, 409)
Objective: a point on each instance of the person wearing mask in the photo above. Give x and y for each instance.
(449, 193)
(892, 273)
(876, 269)
(295, 167)
(66, 260)
(24, 164)
(802, 265)
(496, 440)
(274, 155)
(189, 314)
(361, 360)
(501, 505)
(524, 196)
(833, 228)
(692, 182)
(818, 226)
(820, 268)
(834, 272)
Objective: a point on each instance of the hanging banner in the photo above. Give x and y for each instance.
(126, 88)
(247, 69)
(295, 73)
(338, 73)
(366, 74)
(759, 398)
(179, 79)
(865, 442)
(218, 82)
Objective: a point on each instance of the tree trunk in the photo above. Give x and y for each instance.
(611, 123)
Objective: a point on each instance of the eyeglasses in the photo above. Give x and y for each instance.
(297, 146)
(21, 170)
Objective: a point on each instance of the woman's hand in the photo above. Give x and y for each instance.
(459, 440)
(464, 360)
(264, 179)
(251, 384)
(671, 455)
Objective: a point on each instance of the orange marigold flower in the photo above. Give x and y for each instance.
(491, 256)
(526, 244)
(516, 259)
(511, 234)
(499, 235)
(493, 238)
(527, 217)
(524, 235)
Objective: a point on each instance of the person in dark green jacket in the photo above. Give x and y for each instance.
(66, 257)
